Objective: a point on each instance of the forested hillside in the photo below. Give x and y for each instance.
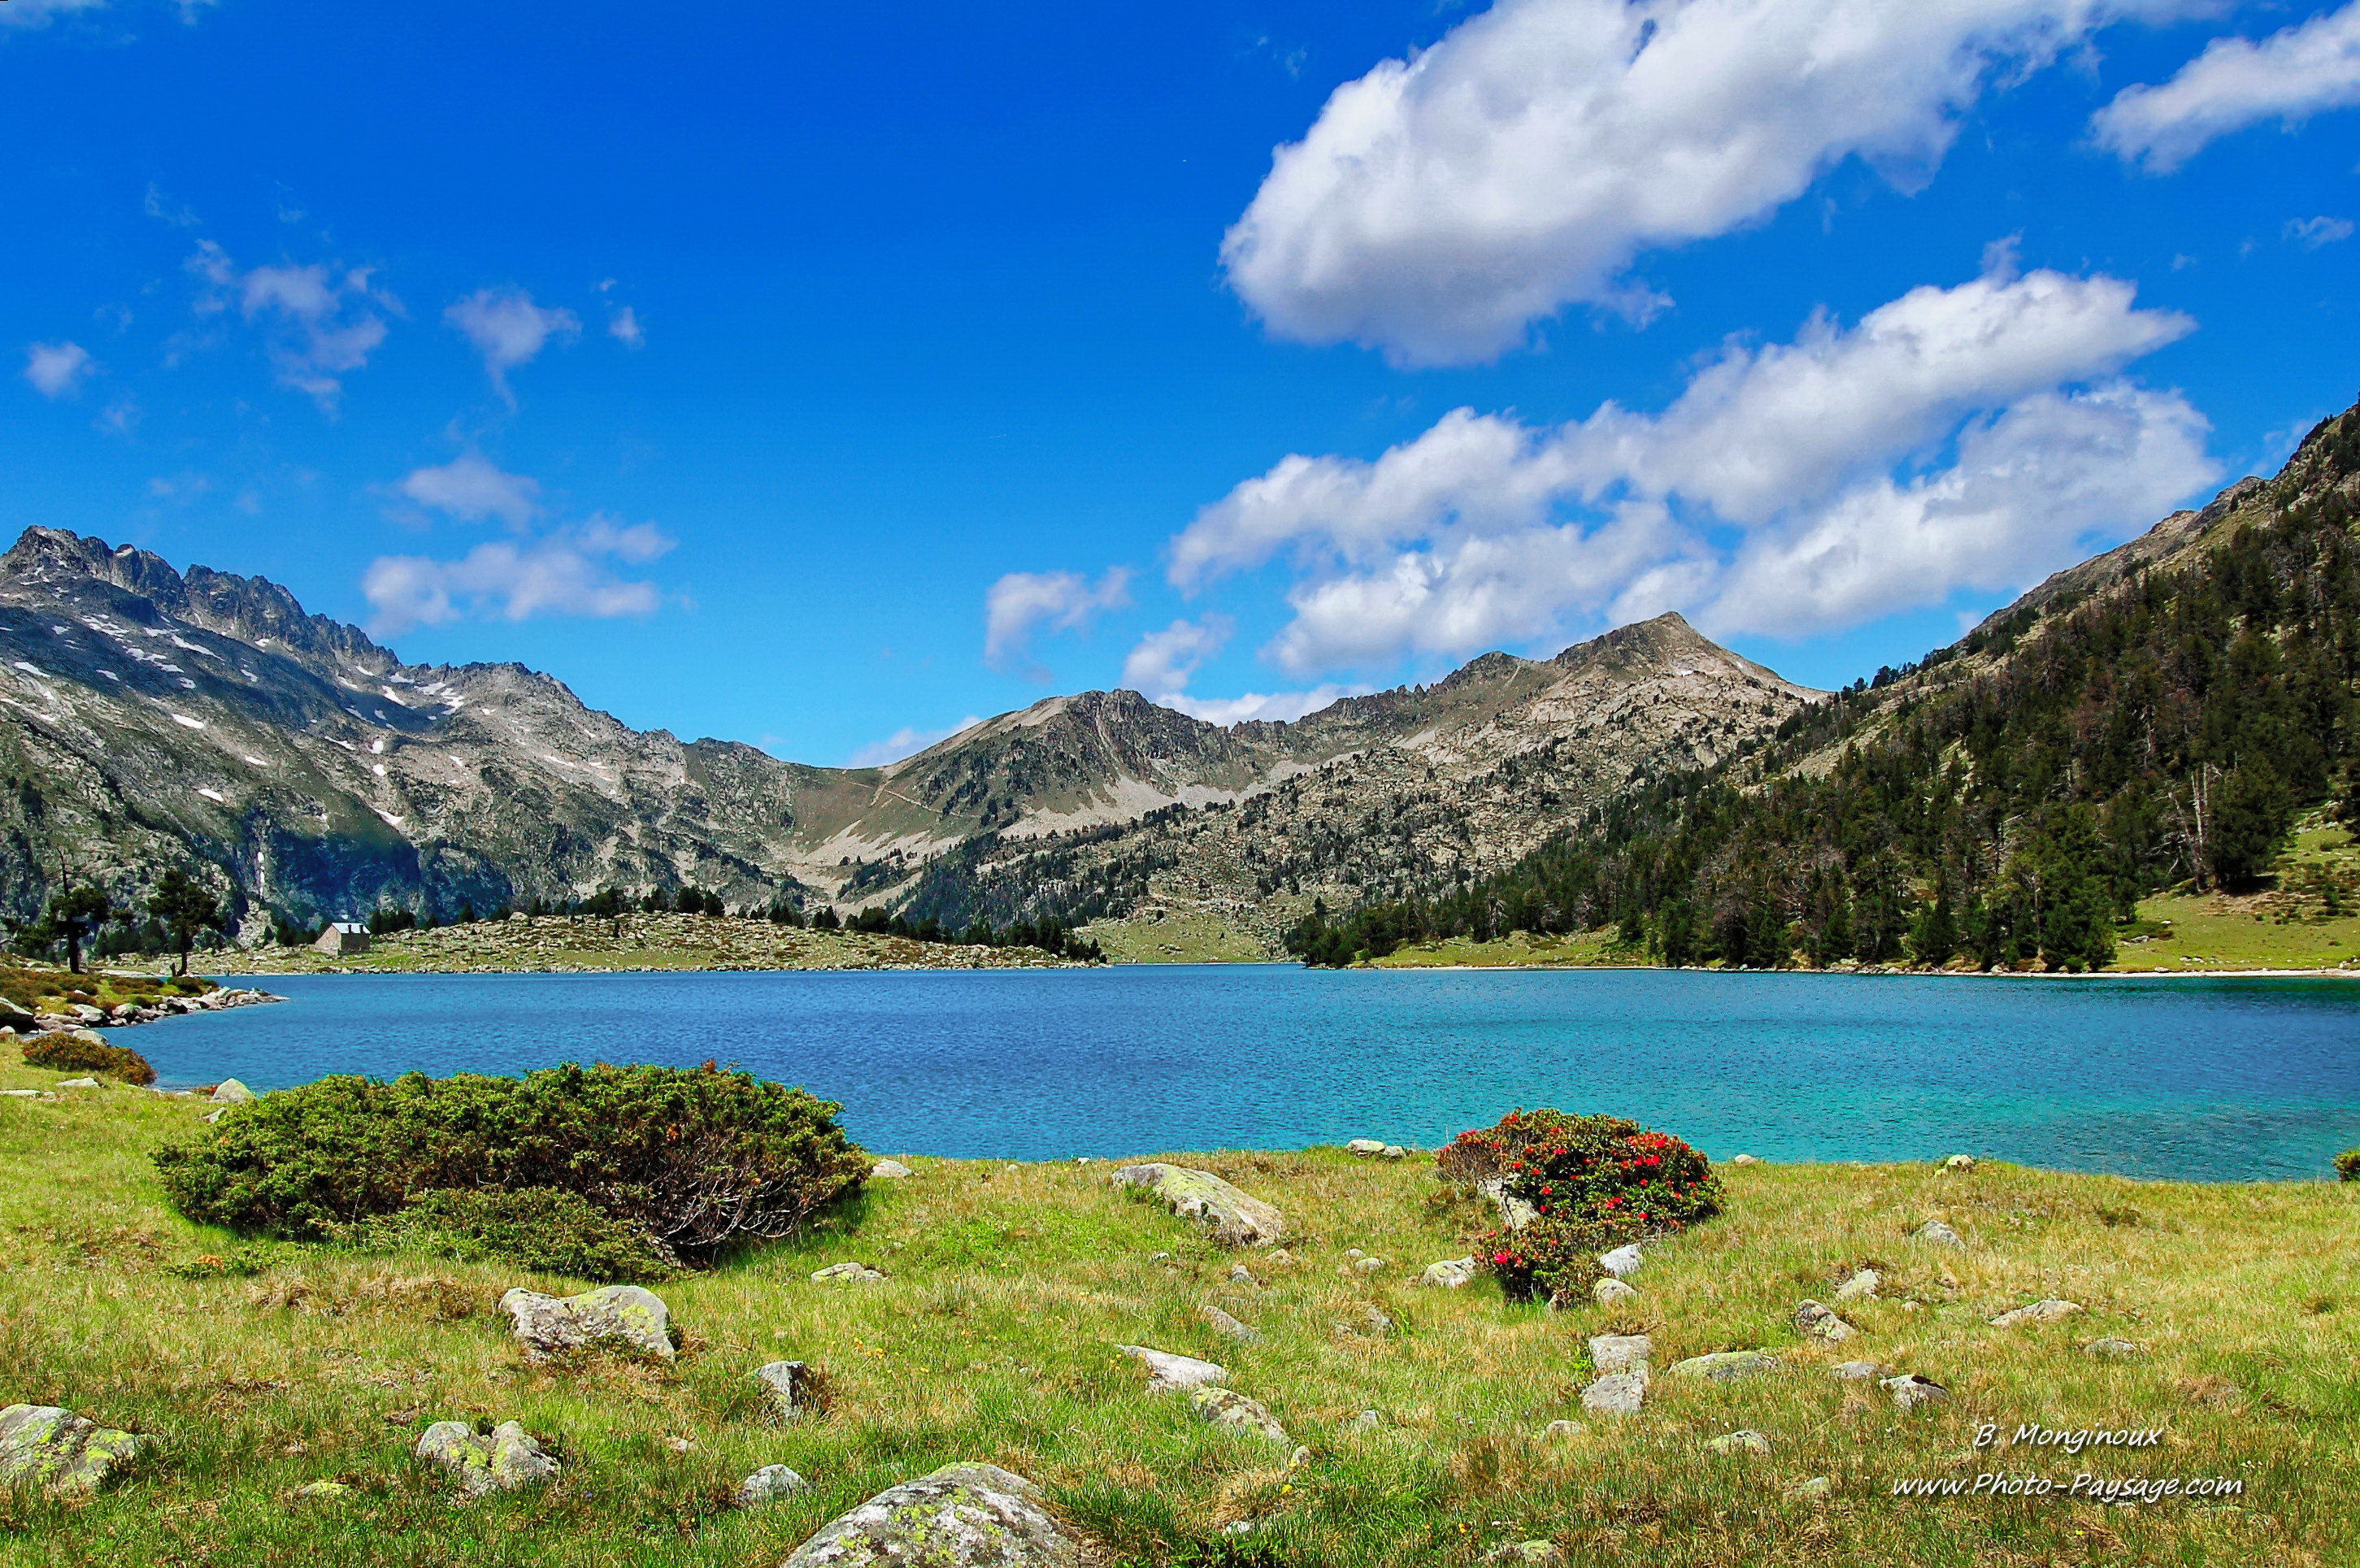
(2153, 718)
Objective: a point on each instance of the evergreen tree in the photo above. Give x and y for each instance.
(186, 910)
(70, 919)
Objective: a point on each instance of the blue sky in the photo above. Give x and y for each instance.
(817, 377)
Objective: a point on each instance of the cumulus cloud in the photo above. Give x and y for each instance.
(907, 741)
(1024, 602)
(321, 321)
(563, 573)
(58, 369)
(1955, 438)
(471, 488)
(2313, 232)
(41, 13)
(508, 329)
(623, 326)
(1441, 204)
(2236, 83)
(1164, 660)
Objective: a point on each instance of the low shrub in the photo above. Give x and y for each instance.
(545, 1228)
(2347, 1165)
(1592, 1184)
(691, 1158)
(77, 1053)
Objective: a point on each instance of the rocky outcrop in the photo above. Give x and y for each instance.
(625, 1317)
(1234, 1218)
(962, 1516)
(60, 1453)
(507, 1459)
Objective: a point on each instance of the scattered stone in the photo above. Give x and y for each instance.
(888, 1171)
(1227, 1408)
(1622, 1262)
(75, 1084)
(1860, 1287)
(322, 1492)
(550, 1326)
(1910, 1391)
(23, 1093)
(1369, 1325)
(1619, 1352)
(230, 1091)
(786, 1385)
(1364, 1147)
(1813, 1321)
(2114, 1350)
(1745, 1160)
(1353, 1254)
(1367, 1420)
(1937, 1234)
(847, 1273)
(1167, 1372)
(60, 1451)
(1393, 1151)
(505, 1460)
(1856, 1371)
(1610, 1290)
(1281, 1258)
(1234, 1218)
(1451, 1273)
(1726, 1365)
(2049, 1312)
(1810, 1491)
(962, 1516)
(1367, 1264)
(1617, 1393)
(1525, 1552)
(767, 1485)
(1745, 1441)
(1563, 1431)
(1960, 1163)
(1229, 1327)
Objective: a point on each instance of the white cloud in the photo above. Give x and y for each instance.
(58, 369)
(1765, 498)
(178, 214)
(907, 741)
(321, 320)
(1274, 707)
(2313, 232)
(471, 488)
(1442, 204)
(563, 573)
(39, 12)
(1162, 662)
(1025, 602)
(623, 326)
(508, 329)
(2236, 83)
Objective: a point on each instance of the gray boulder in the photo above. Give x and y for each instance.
(1229, 1327)
(1617, 1393)
(1367, 1265)
(1856, 1371)
(1860, 1287)
(2049, 1312)
(1910, 1391)
(1514, 1213)
(786, 1386)
(1610, 1290)
(889, 1170)
(767, 1485)
(1818, 1488)
(1451, 1273)
(848, 1274)
(1365, 1146)
(962, 1516)
(1526, 1551)
(1726, 1365)
(59, 1451)
(1814, 1321)
(2114, 1350)
(230, 1091)
(505, 1460)
(1234, 1217)
(1167, 1372)
(1960, 1162)
(624, 1316)
(1563, 1431)
(1227, 1408)
(1622, 1262)
(1745, 1440)
(1935, 1232)
(1745, 1160)
(1619, 1352)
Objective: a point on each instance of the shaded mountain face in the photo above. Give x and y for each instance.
(149, 717)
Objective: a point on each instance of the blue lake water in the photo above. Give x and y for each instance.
(2216, 1080)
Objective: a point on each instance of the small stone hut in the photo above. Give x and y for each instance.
(342, 937)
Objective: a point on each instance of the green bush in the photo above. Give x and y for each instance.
(73, 1053)
(2347, 1165)
(690, 1158)
(545, 1229)
(1593, 1181)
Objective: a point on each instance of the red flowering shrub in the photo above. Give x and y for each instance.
(1593, 1182)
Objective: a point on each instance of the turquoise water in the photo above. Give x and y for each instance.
(2206, 1079)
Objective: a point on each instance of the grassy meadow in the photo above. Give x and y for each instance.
(264, 1367)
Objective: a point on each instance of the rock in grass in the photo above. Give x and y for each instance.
(1394, 1151)
(1811, 1491)
(1856, 1371)
(786, 1387)
(1619, 1352)
(1935, 1234)
(1365, 1146)
(1622, 1262)
(1367, 1265)
(1451, 1273)
(1547, 1552)
(1227, 1408)
(1745, 1160)
(2049, 1312)
(1167, 1372)
(889, 1170)
(1369, 1325)
(322, 1492)
(1617, 1393)
(1563, 1431)
(1234, 1218)
(614, 1315)
(1514, 1213)
(962, 1516)
(75, 1084)
(1744, 1441)
(1860, 1287)
(1367, 1420)
(503, 1462)
(230, 1091)
(2114, 1350)
(767, 1485)
(1726, 1365)
(1960, 1163)
(848, 1274)
(1814, 1321)
(59, 1451)
(1910, 1391)
(1610, 1290)
(1229, 1327)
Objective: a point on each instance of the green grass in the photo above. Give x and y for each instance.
(1011, 1283)
(1183, 936)
(1518, 949)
